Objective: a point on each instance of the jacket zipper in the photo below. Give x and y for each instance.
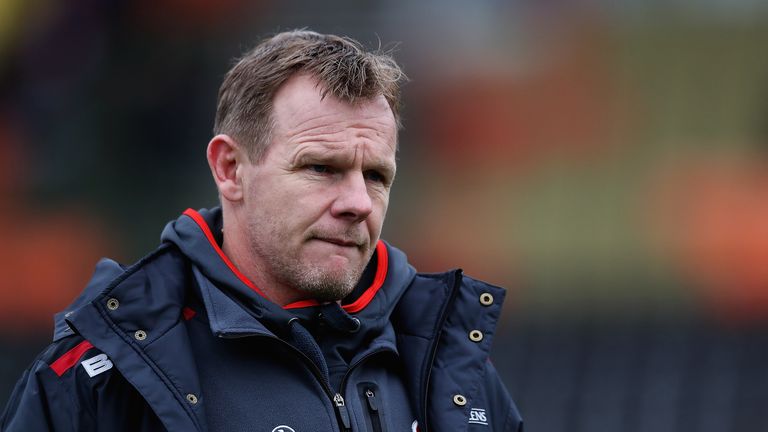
(354, 365)
(341, 407)
(336, 398)
(374, 410)
(433, 349)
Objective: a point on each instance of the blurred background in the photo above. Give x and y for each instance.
(605, 160)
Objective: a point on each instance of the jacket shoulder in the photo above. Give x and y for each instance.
(70, 377)
(74, 386)
(106, 276)
(452, 291)
(425, 284)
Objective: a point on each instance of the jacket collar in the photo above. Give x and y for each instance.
(236, 307)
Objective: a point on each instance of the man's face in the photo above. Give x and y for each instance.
(315, 205)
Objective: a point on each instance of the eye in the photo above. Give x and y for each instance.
(320, 169)
(375, 176)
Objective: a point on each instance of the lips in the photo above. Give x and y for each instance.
(339, 242)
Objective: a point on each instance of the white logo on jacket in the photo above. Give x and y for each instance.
(478, 416)
(283, 428)
(97, 364)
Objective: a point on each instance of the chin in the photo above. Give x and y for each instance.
(325, 284)
(339, 267)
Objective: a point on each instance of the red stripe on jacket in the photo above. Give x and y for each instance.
(70, 358)
(357, 306)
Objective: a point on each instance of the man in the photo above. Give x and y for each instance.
(282, 310)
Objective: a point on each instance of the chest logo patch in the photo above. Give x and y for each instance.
(97, 364)
(283, 428)
(478, 416)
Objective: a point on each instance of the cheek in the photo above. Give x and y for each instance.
(382, 203)
(276, 193)
(376, 218)
(309, 200)
(298, 209)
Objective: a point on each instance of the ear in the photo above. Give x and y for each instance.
(224, 158)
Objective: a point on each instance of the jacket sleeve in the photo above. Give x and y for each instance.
(39, 403)
(493, 408)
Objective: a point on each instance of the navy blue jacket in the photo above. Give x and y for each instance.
(123, 359)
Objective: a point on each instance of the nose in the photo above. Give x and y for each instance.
(353, 201)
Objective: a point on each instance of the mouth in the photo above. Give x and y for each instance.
(340, 241)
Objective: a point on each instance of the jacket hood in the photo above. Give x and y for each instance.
(197, 234)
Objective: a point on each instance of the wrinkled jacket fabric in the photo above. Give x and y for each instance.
(122, 359)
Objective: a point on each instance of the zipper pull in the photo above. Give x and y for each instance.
(371, 400)
(338, 400)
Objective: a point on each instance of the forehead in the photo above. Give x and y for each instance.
(299, 107)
